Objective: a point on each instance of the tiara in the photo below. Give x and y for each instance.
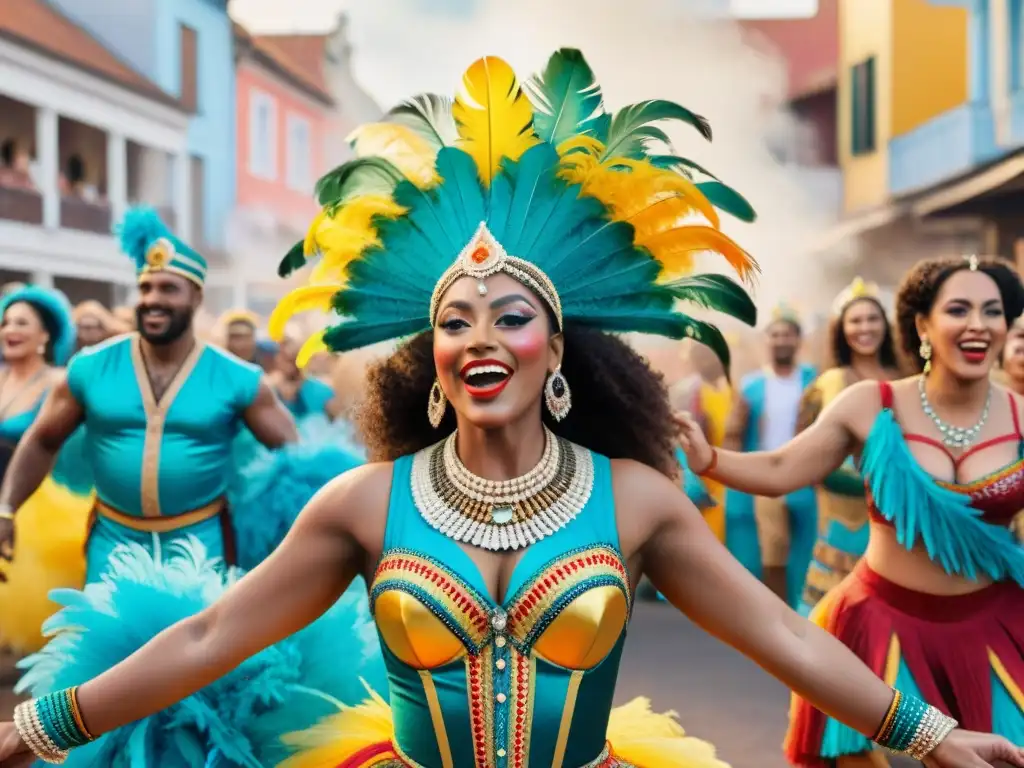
(858, 289)
(483, 257)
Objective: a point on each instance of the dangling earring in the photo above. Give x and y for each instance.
(41, 350)
(436, 405)
(926, 354)
(557, 395)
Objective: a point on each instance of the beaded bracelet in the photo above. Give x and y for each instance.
(52, 726)
(912, 727)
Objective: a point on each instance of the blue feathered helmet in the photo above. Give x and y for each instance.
(151, 245)
(55, 311)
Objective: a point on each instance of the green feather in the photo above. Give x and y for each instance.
(716, 292)
(727, 199)
(567, 99)
(430, 117)
(294, 260)
(630, 128)
(710, 337)
(680, 165)
(363, 176)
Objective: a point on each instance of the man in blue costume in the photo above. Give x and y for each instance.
(773, 538)
(160, 410)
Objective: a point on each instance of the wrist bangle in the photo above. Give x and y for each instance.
(711, 464)
(912, 727)
(52, 726)
(6, 513)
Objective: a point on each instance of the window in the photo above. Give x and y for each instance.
(862, 81)
(299, 155)
(189, 69)
(262, 135)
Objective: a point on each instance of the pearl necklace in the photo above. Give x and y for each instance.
(954, 437)
(502, 514)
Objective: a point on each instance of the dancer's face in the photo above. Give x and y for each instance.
(22, 332)
(864, 327)
(90, 331)
(966, 325)
(493, 353)
(1013, 354)
(241, 340)
(166, 306)
(783, 342)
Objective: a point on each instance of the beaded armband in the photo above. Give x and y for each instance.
(52, 726)
(913, 728)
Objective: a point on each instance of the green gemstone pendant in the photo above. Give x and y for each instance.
(501, 515)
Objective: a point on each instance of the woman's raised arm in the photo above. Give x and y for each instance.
(805, 460)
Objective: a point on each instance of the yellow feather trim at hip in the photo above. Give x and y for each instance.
(49, 554)
(647, 739)
(638, 736)
(336, 738)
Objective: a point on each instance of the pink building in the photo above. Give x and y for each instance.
(284, 116)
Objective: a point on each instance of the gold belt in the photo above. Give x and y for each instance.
(162, 524)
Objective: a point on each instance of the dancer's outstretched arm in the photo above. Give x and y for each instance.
(302, 579)
(805, 460)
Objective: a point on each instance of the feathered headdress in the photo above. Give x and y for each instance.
(858, 289)
(55, 310)
(147, 241)
(541, 184)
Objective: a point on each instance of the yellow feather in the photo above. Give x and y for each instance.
(303, 299)
(406, 150)
(314, 345)
(309, 247)
(674, 248)
(642, 737)
(493, 115)
(581, 141)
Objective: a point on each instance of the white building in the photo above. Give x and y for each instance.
(82, 136)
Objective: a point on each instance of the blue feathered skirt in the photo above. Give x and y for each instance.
(240, 720)
(269, 488)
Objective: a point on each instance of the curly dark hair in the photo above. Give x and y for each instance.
(920, 286)
(620, 406)
(842, 354)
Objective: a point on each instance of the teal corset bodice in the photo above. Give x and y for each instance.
(530, 680)
(154, 457)
(13, 427)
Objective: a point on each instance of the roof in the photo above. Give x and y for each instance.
(36, 24)
(297, 58)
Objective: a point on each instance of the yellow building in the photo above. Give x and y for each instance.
(906, 118)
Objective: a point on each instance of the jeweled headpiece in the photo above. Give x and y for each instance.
(858, 289)
(592, 211)
(786, 313)
(151, 245)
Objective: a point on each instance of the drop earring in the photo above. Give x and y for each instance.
(557, 395)
(437, 403)
(926, 354)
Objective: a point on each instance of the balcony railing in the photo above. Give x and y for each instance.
(76, 213)
(942, 148)
(24, 205)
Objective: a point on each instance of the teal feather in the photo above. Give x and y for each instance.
(716, 292)
(294, 260)
(430, 117)
(727, 199)
(680, 165)
(235, 722)
(138, 230)
(566, 97)
(630, 129)
(362, 176)
(923, 511)
(363, 333)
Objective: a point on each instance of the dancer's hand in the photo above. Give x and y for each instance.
(968, 749)
(13, 752)
(699, 453)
